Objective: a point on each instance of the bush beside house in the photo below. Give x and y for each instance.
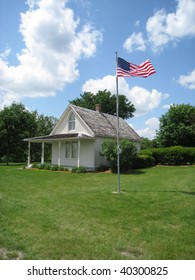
(129, 159)
(128, 154)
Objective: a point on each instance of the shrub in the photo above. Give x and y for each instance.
(66, 169)
(41, 166)
(54, 167)
(80, 169)
(61, 168)
(128, 153)
(103, 168)
(48, 167)
(176, 155)
(143, 161)
(34, 165)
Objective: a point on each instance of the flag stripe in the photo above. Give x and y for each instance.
(128, 69)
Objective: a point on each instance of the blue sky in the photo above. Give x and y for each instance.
(53, 50)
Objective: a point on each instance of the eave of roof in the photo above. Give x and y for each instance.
(58, 137)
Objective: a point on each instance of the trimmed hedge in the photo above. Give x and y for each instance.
(143, 161)
(176, 155)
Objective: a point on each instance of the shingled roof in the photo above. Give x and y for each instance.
(100, 124)
(105, 125)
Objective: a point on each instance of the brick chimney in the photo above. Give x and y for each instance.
(98, 108)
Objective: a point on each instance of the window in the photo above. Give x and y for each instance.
(74, 150)
(71, 122)
(67, 150)
(70, 149)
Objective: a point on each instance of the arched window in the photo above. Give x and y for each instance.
(71, 122)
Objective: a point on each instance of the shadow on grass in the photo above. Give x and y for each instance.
(134, 172)
(167, 191)
(137, 172)
(12, 164)
(190, 193)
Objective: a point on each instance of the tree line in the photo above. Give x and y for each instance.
(177, 126)
(17, 123)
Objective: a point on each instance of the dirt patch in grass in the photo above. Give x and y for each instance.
(132, 253)
(6, 254)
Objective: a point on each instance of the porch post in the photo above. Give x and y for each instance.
(79, 151)
(59, 151)
(42, 153)
(28, 153)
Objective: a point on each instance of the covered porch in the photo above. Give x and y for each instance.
(68, 150)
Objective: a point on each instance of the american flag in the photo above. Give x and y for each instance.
(128, 69)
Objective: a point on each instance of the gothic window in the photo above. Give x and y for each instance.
(71, 122)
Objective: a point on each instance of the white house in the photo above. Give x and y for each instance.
(78, 136)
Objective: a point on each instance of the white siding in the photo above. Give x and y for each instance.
(62, 126)
(99, 160)
(69, 162)
(54, 153)
(87, 155)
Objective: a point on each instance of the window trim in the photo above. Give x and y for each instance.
(71, 150)
(71, 122)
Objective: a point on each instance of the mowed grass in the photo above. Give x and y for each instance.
(58, 215)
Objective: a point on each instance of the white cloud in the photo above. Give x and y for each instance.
(143, 99)
(146, 133)
(188, 80)
(150, 131)
(135, 42)
(54, 42)
(94, 85)
(153, 122)
(32, 3)
(4, 55)
(167, 106)
(164, 27)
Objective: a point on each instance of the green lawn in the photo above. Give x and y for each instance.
(57, 215)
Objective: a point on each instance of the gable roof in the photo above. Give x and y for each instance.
(100, 124)
(105, 125)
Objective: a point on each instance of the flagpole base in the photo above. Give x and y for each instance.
(121, 192)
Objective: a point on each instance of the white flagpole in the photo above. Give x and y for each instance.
(117, 114)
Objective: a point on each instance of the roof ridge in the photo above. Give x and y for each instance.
(102, 113)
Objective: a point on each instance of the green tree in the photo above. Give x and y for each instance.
(108, 102)
(128, 153)
(16, 123)
(44, 126)
(177, 126)
(148, 144)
